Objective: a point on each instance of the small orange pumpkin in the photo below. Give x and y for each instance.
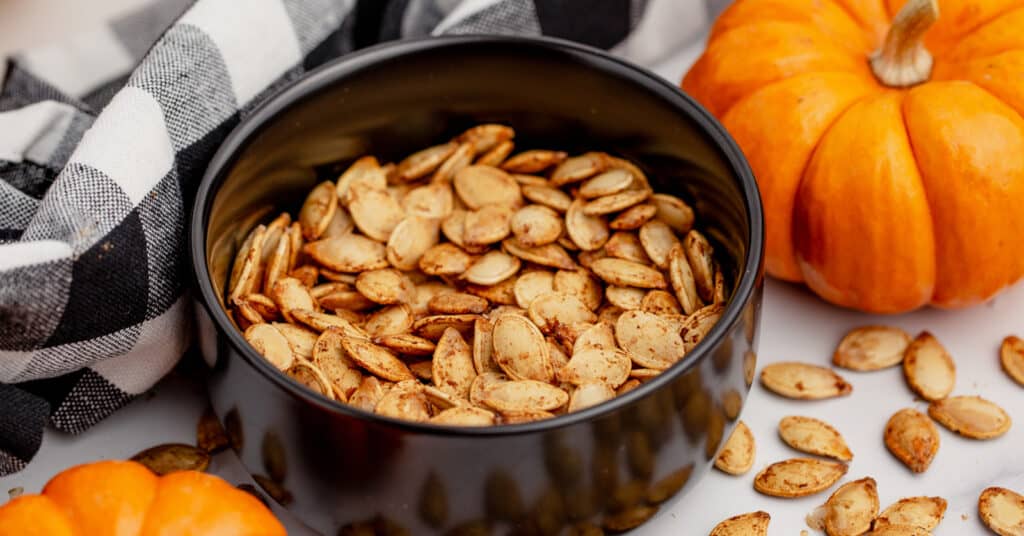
(118, 498)
(889, 151)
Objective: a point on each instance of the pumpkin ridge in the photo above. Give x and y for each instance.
(958, 60)
(868, 31)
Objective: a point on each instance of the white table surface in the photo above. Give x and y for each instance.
(795, 326)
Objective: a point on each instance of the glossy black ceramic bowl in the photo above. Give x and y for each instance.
(614, 465)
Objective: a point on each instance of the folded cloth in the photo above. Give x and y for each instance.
(94, 304)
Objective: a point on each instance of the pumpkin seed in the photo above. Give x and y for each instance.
(246, 274)
(673, 211)
(271, 344)
(453, 370)
(851, 508)
(548, 311)
(533, 161)
(326, 289)
(719, 295)
(318, 321)
(607, 365)
(339, 370)
(634, 217)
(590, 393)
(530, 285)
(300, 339)
(374, 212)
(577, 168)
(350, 253)
(1002, 511)
(173, 457)
(696, 326)
(410, 240)
(798, 477)
(457, 303)
(290, 294)
(406, 344)
(627, 246)
(660, 302)
(589, 232)
(520, 349)
(814, 437)
(752, 524)
(683, 282)
(1011, 356)
(600, 336)
(408, 403)
(627, 273)
(485, 185)
(551, 255)
(386, 286)
(318, 210)
(615, 202)
(464, 416)
(392, 320)
(346, 300)
(496, 155)
(523, 395)
(368, 394)
(494, 267)
(536, 225)
(330, 275)
(587, 258)
(802, 381)
(548, 196)
(922, 512)
(650, 340)
(484, 381)
(871, 348)
(365, 173)
(445, 259)
(928, 368)
(454, 226)
(422, 163)
(699, 253)
(246, 315)
(628, 519)
(737, 456)
(607, 183)
(483, 347)
(277, 263)
(433, 327)
(487, 225)
(658, 240)
(485, 137)
(210, 435)
(556, 354)
(627, 298)
(311, 377)
(912, 438)
(376, 359)
(462, 157)
(580, 284)
(970, 416)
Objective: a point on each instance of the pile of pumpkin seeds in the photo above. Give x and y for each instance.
(910, 435)
(470, 286)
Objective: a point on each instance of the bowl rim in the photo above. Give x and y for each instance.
(340, 68)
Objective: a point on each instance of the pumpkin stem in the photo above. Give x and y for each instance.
(903, 60)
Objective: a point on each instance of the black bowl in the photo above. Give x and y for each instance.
(615, 464)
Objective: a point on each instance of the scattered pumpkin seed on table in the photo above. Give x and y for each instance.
(473, 285)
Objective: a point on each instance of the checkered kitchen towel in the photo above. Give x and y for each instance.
(103, 140)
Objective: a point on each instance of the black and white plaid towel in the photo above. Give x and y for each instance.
(103, 139)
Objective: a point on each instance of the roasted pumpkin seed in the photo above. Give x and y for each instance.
(627, 273)
(423, 163)
(798, 477)
(615, 202)
(577, 168)
(487, 225)
(318, 210)
(271, 344)
(349, 253)
(173, 457)
(590, 393)
(492, 268)
(658, 240)
(551, 255)
(523, 395)
(673, 211)
(970, 416)
(533, 161)
(634, 217)
(478, 186)
(912, 438)
(871, 348)
(922, 512)
(813, 436)
(530, 285)
(803, 381)
(737, 456)
(928, 368)
(520, 350)
(752, 524)
(410, 240)
(650, 340)
(851, 508)
(210, 435)
(628, 298)
(535, 225)
(1002, 511)
(1011, 356)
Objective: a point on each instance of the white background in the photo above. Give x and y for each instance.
(795, 326)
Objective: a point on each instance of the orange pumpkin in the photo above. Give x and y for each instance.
(116, 498)
(886, 138)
